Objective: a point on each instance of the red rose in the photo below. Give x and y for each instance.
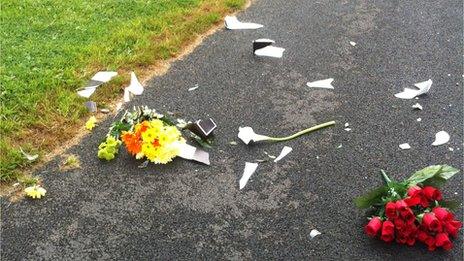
(432, 193)
(390, 210)
(411, 241)
(430, 242)
(442, 214)
(424, 202)
(431, 222)
(442, 240)
(401, 239)
(452, 227)
(388, 231)
(413, 201)
(399, 223)
(414, 191)
(373, 227)
(401, 205)
(408, 216)
(422, 236)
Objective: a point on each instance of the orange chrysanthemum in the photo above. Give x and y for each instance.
(132, 142)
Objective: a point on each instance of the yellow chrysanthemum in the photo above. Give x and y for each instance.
(35, 191)
(90, 124)
(157, 125)
(169, 135)
(150, 135)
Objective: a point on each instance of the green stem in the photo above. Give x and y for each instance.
(385, 177)
(317, 127)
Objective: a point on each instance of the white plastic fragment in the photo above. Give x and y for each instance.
(419, 119)
(29, 157)
(232, 23)
(270, 51)
(98, 79)
(423, 88)
(405, 146)
(246, 134)
(441, 138)
(285, 151)
(353, 43)
(193, 88)
(314, 233)
(250, 168)
(417, 106)
(190, 152)
(326, 84)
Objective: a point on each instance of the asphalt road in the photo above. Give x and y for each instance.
(185, 210)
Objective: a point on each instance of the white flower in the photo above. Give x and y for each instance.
(246, 134)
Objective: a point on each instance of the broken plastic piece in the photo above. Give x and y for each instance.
(441, 138)
(417, 106)
(314, 233)
(326, 84)
(192, 153)
(98, 79)
(29, 157)
(193, 88)
(91, 106)
(250, 168)
(408, 93)
(405, 146)
(232, 23)
(285, 150)
(263, 47)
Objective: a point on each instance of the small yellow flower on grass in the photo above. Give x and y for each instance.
(35, 191)
(90, 124)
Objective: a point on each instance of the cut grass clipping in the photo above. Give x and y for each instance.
(50, 48)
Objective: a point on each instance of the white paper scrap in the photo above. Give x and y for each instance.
(405, 146)
(285, 150)
(417, 106)
(270, 51)
(408, 93)
(126, 95)
(135, 87)
(190, 152)
(441, 138)
(250, 168)
(232, 23)
(98, 79)
(87, 91)
(104, 76)
(314, 233)
(326, 84)
(29, 156)
(352, 43)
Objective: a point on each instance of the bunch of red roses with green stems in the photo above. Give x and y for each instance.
(413, 210)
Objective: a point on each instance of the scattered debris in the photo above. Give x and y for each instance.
(285, 150)
(143, 165)
(247, 134)
(91, 122)
(232, 23)
(16, 184)
(269, 155)
(250, 168)
(450, 149)
(340, 146)
(408, 93)
(263, 47)
(192, 153)
(98, 79)
(441, 138)
(419, 119)
(352, 43)
(261, 160)
(417, 106)
(135, 88)
(326, 84)
(194, 87)
(233, 143)
(314, 233)
(29, 157)
(118, 107)
(91, 106)
(105, 110)
(347, 125)
(405, 146)
(347, 129)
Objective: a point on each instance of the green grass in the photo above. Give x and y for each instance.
(50, 47)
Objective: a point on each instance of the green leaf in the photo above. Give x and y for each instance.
(436, 175)
(371, 198)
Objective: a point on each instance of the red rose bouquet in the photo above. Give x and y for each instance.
(413, 210)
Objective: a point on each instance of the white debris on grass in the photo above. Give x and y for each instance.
(98, 79)
(29, 157)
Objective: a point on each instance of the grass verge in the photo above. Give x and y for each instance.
(49, 48)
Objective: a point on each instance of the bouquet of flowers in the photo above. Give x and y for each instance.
(413, 210)
(148, 134)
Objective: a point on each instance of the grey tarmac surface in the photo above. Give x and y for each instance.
(185, 210)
